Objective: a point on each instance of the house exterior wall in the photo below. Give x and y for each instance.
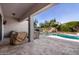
(1, 26)
(13, 25)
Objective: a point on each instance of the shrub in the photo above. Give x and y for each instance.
(69, 27)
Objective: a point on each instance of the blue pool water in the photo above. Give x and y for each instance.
(66, 36)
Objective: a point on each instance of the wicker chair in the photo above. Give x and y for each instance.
(18, 38)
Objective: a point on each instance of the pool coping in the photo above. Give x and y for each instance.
(51, 36)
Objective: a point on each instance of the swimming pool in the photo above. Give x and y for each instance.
(65, 36)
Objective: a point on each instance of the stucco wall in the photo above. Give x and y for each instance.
(13, 25)
(1, 26)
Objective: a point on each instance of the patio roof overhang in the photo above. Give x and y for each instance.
(23, 10)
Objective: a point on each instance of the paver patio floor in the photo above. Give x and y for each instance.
(41, 46)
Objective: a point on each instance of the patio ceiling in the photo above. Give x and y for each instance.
(18, 8)
(21, 10)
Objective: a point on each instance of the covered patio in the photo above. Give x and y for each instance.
(23, 21)
(19, 17)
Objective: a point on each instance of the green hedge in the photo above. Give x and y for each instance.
(69, 27)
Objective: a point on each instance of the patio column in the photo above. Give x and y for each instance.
(0, 27)
(30, 28)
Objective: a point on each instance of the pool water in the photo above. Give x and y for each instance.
(66, 36)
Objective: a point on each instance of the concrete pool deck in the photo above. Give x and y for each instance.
(41, 46)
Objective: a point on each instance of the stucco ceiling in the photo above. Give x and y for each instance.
(18, 8)
(21, 10)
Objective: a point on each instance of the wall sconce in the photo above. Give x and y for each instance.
(4, 22)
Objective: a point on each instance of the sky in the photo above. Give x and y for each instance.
(63, 13)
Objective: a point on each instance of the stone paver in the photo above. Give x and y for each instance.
(41, 46)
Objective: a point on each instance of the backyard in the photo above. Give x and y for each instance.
(56, 22)
(54, 31)
(41, 46)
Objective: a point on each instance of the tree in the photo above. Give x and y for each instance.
(72, 26)
(53, 23)
(41, 25)
(35, 23)
(48, 24)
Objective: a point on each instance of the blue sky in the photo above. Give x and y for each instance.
(62, 13)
